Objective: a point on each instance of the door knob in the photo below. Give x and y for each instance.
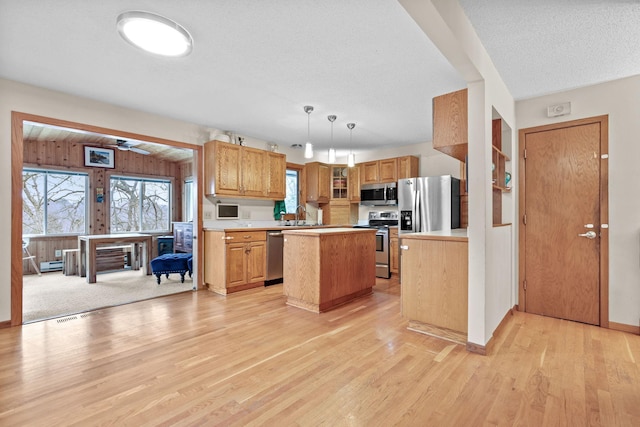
(589, 235)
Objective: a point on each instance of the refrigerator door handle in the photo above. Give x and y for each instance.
(417, 226)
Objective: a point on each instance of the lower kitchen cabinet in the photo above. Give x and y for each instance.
(235, 260)
(394, 251)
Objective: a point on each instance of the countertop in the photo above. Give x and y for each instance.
(309, 231)
(459, 234)
(278, 227)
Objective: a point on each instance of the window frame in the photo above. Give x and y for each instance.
(87, 197)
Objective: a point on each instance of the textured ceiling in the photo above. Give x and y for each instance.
(255, 64)
(545, 46)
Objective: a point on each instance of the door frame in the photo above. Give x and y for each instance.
(603, 121)
(17, 158)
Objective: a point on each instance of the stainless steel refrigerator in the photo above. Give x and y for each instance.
(428, 203)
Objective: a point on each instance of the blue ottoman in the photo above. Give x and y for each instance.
(172, 263)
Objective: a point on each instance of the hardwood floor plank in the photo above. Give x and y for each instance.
(248, 359)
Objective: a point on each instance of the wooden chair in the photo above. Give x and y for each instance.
(25, 250)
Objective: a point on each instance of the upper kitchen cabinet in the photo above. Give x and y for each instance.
(277, 169)
(238, 171)
(339, 182)
(379, 171)
(354, 183)
(450, 124)
(408, 167)
(318, 182)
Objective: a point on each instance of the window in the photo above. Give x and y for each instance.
(140, 204)
(293, 182)
(53, 202)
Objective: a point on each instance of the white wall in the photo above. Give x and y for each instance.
(619, 99)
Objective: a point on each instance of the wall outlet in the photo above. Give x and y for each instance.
(207, 214)
(58, 252)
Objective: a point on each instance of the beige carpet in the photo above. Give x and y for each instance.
(56, 295)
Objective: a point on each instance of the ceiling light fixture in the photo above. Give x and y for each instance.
(351, 158)
(154, 33)
(332, 151)
(308, 147)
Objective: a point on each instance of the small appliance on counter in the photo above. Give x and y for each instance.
(429, 204)
(381, 221)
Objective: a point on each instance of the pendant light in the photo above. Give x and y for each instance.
(332, 151)
(308, 147)
(351, 158)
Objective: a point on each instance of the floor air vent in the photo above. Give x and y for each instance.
(66, 319)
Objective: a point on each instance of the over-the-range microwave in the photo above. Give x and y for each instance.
(379, 194)
(227, 211)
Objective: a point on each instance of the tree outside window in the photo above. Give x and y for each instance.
(291, 199)
(139, 204)
(53, 202)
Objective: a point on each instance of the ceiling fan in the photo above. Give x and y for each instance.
(124, 145)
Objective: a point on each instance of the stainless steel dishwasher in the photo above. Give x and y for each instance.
(275, 243)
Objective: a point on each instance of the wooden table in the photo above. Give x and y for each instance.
(327, 267)
(88, 245)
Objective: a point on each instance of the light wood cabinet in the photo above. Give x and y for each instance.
(434, 289)
(238, 171)
(339, 182)
(318, 182)
(234, 261)
(450, 124)
(370, 174)
(337, 212)
(354, 183)
(408, 167)
(394, 251)
(277, 181)
(388, 170)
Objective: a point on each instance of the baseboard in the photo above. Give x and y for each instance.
(625, 328)
(486, 349)
(5, 324)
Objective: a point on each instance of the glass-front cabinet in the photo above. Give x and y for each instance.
(339, 182)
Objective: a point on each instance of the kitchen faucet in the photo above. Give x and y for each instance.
(297, 210)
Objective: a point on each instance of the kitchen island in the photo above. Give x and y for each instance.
(434, 285)
(327, 267)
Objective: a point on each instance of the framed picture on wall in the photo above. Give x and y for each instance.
(99, 157)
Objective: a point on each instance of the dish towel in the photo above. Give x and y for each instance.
(278, 207)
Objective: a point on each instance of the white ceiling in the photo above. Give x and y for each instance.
(255, 64)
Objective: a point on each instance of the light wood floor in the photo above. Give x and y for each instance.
(249, 359)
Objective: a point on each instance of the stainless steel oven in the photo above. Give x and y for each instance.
(381, 221)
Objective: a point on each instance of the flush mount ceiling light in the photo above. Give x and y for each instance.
(308, 147)
(332, 151)
(351, 158)
(154, 33)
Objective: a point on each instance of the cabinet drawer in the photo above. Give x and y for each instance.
(245, 236)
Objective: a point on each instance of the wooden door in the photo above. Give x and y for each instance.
(253, 168)
(561, 176)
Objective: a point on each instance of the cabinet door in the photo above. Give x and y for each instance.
(354, 184)
(450, 124)
(253, 172)
(236, 264)
(394, 265)
(324, 181)
(339, 182)
(338, 212)
(370, 173)
(318, 177)
(256, 253)
(408, 167)
(388, 170)
(277, 168)
(227, 159)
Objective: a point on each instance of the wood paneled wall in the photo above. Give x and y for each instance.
(70, 156)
